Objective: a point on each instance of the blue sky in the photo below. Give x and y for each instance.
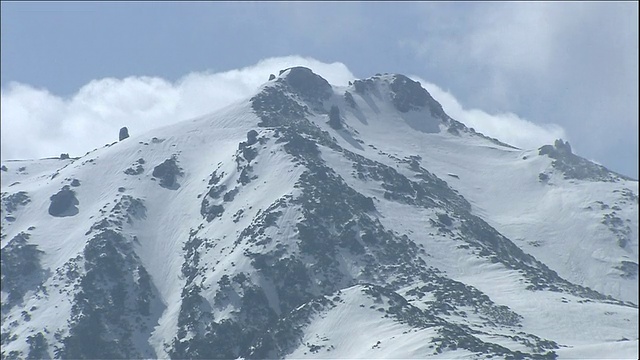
(523, 72)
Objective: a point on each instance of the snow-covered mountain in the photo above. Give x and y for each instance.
(317, 221)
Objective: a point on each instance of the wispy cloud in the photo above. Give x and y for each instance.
(507, 127)
(570, 63)
(36, 123)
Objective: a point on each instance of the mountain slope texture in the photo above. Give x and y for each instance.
(317, 221)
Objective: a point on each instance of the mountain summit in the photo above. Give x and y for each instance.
(319, 221)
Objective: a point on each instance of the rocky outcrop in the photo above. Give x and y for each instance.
(167, 173)
(63, 203)
(308, 85)
(124, 133)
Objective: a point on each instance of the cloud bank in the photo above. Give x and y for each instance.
(571, 63)
(506, 127)
(37, 123)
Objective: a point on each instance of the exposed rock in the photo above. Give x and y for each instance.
(576, 167)
(348, 98)
(252, 137)
(410, 95)
(445, 219)
(13, 201)
(137, 170)
(63, 203)
(334, 118)
(168, 172)
(21, 269)
(307, 84)
(124, 133)
(37, 347)
(75, 182)
(64, 156)
(629, 269)
(364, 86)
(563, 146)
(271, 77)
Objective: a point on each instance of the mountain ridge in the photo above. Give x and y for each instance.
(263, 209)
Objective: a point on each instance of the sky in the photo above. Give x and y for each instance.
(526, 73)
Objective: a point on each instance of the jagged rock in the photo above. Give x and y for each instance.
(21, 269)
(13, 201)
(364, 86)
(63, 203)
(348, 98)
(576, 167)
(252, 137)
(307, 84)
(124, 133)
(271, 77)
(445, 219)
(334, 118)
(37, 347)
(563, 146)
(629, 269)
(64, 156)
(168, 172)
(410, 95)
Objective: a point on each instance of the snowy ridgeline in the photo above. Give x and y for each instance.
(322, 222)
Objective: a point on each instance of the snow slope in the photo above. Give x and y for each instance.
(263, 231)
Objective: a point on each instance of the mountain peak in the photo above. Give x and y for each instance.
(576, 167)
(265, 231)
(406, 94)
(304, 82)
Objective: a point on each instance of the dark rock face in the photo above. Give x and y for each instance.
(21, 269)
(410, 95)
(629, 269)
(64, 156)
(63, 203)
(348, 98)
(364, 86)
(116, 293)
(136, 168)
(563, 147)
(271, 77)
(307, 84)
(75, 183)
(124, 133)
(168, 172)
(4, 168)
(576, 167)
(335, 219)
(38, 347)
(14, 201)
(252, 137)
(334, 118)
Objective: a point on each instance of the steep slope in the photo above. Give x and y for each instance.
(575, 216)
(279, 227)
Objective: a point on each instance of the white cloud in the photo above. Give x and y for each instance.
(506, 127)
(36, 123)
